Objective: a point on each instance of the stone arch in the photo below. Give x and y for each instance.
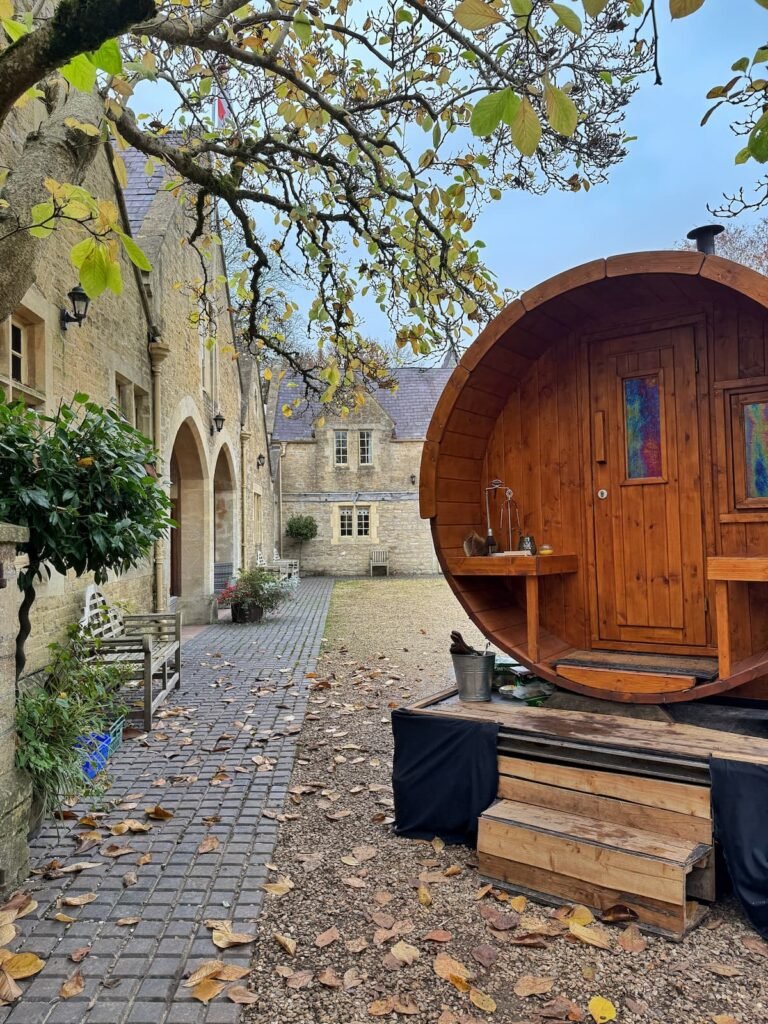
(224, 518)
(190, 562)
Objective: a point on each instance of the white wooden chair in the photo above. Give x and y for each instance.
(380, 560)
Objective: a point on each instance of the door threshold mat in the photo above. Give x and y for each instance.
(703, 669)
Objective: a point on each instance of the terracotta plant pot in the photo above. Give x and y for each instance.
(247, 613)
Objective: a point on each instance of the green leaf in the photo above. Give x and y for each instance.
(758, 142)
(742, 156)
(80, 252)
(568, 18)
(114, 278)
(492, 109)
(741, 65)
(14, 29)
(42, 214)
(302, 26)
(763, 3)
(761, 56)
(94, 273)
(476, 15)
(522, 8)
(108, 57)
(561, 110)
(682, 8)
(526, 128)
(594, 7)
(134, 253)
(80, 73)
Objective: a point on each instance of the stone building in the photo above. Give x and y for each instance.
(144, 353)
(357, 476)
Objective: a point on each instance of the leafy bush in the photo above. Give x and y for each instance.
(56, 716)
(82, 482)
(301, 528)
(257, 586)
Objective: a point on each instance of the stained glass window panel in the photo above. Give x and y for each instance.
(756, 444)
(642, 423)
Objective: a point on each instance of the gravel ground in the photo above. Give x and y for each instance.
(356, 910)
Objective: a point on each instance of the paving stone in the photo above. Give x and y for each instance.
(180, 888)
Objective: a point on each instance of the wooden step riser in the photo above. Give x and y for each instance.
(668, 919)
(615, 680)
(596, 865)
(620, 812)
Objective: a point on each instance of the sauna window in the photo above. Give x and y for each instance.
(749, 430)
(642, 404)
(341, 454)
(345, 522)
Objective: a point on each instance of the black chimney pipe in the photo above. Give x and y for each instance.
(704, 237)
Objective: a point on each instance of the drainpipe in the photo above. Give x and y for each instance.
(245, 437)
(158, 353)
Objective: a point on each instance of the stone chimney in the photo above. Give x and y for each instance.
(15, 790)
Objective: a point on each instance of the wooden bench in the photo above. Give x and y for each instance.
(380, 560)
(148, 645)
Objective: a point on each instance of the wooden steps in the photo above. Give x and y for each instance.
(576, 858)
(624, 672)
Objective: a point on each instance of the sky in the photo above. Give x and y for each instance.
(673, 170)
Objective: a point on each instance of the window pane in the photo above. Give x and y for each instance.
(17, 354)
(756, 444)
(341, 447)
(366, 450)
(642, 423)
(345, 522)
(363, 522)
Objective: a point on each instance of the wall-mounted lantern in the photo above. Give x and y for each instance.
(413, 478)
(80, 303)
(260, 460)
(218, 424)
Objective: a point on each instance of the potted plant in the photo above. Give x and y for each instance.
(68, 720)
(254, 592)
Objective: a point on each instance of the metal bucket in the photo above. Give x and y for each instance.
(474, 675)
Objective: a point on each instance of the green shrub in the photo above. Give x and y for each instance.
(257, 586)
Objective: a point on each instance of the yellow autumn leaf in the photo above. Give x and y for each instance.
(476, 15)
(581, 915)
(267, 374)
(23, 965)
(6, 9)
(481, 1000)
(601, 1010)
(591, 936)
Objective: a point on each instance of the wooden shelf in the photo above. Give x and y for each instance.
(520, 565)
(745, 568)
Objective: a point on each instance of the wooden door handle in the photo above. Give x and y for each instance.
(599, 436)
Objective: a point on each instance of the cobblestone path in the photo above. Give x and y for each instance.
(243, 695)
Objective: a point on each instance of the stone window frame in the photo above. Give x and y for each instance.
(362, 517)
(346, 521)
(341, 447)
(350, 511)
(365, 447)
(132, 401)
(31, 387)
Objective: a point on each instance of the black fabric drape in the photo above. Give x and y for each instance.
(740, 813)
(444, 775)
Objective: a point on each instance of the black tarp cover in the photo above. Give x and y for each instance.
(740, 813)
(444, 775)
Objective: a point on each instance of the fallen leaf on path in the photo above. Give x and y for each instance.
(73, 986)
(9, 990)
(485, 955)
(445, 966)
(327, 937)
(159, 813)
(482, 1001)
(405, 1005)
(351, 979)
(724, 1018)
(354, 882)
(631, 940)
(224, 937)
(755, 945)
(205, 970)
(424, 896)
(23, 965)
(438, 845)
(207, 989)
(300, 979)
(286, 942)
(404, 952)
(364, 853)
(7, 934)
(483, 892)
(241, 995)
(534, 940)
(282, 886)
(533, 985)
(578, 913)
(498, 919)
(231, 972)
(518, 903)
(81, 865)
(356, 945)
(618, 914)
(601, 1010)
(381, 1007)
(78, 955)
(561, 1009)
(438, 935)
(724, 970)
(591, 936)
(129, 878)
(79, 901)
(125, 922)
(329, 978)
(209, 845)
(114, 850)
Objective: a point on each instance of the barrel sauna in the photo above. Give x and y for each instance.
(625, 404)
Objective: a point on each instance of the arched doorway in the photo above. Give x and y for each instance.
(224, 528)
(189, 576)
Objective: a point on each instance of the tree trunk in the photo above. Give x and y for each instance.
(55, 151)
(25, 628)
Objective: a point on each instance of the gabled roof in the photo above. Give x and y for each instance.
(410, 406)
(141, 188)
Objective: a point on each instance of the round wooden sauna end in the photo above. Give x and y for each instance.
(624, 403)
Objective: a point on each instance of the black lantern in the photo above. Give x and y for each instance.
(218, 423)
(80, 303)
(260, 460)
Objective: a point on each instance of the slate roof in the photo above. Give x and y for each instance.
(141, 188)
(410, 407)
